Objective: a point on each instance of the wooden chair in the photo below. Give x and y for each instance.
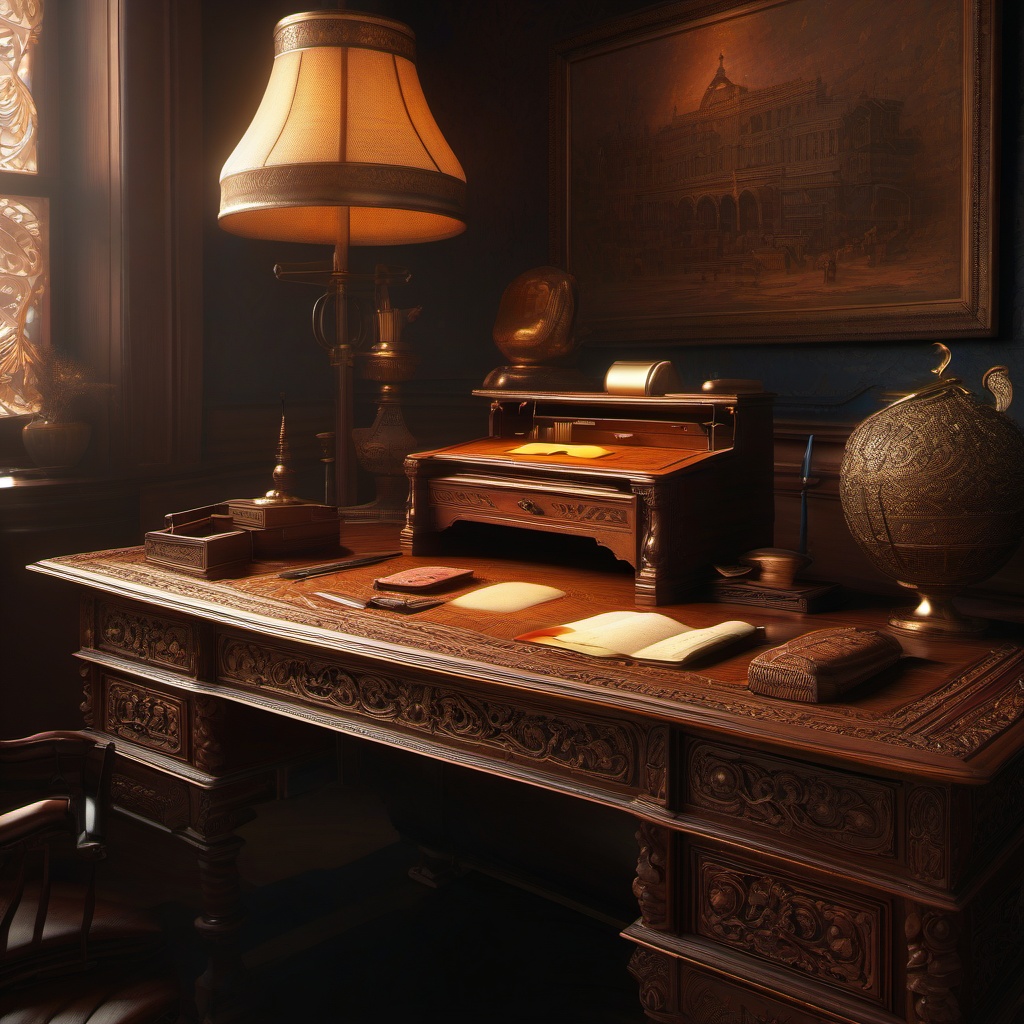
(66, 954)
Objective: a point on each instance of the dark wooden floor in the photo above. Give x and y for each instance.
(337, 929)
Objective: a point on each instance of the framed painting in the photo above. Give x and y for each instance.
(812, 170)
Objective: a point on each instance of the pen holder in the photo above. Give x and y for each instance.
(778, 567)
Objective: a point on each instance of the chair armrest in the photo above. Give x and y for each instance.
(70, 766)
(34, 819)
(33, 756)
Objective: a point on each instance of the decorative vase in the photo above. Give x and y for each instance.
(932, 489)
(56, 446)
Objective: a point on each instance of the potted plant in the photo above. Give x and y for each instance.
(57, 439)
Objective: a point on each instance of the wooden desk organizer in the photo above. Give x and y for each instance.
(219, 541)
(687, 481)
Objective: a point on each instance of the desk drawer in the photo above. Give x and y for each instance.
(801, 803)
(146, 715)
(605, 514)
(212, 735)
(799, 923)
(139, 635)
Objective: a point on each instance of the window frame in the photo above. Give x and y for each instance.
(131, 208)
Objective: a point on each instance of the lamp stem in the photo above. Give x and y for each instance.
(343, 358)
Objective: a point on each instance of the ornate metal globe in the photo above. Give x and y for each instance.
(932, 489)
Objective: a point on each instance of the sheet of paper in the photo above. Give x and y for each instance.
(506, 597)
(578, 451)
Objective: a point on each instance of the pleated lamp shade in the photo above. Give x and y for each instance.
(343, 148)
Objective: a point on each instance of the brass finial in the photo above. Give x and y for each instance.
(946, 357)
(283, 474)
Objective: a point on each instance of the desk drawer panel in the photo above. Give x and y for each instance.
(215, 736)
(532, 506)
(151, 718)
(815, 930)
(798, 801)
(157, 640)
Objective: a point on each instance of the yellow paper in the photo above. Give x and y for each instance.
(506, 597)
(577, 451)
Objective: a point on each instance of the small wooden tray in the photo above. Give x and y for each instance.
(204, 547)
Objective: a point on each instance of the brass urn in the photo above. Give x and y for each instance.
(932, 489)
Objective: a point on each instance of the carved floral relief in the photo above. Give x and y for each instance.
(612, 751)
(798, 801)
(783, 921)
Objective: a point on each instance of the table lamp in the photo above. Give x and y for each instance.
(342, 151)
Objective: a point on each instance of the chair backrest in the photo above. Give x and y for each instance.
(54, 790)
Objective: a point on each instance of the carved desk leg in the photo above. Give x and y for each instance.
(654, 971)
(934, 967)
(650, 887)
(417, 535)
(655, 974)
(205, 818)
(650, 555)
(218, 995)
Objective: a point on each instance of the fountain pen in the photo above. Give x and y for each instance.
(329, 567)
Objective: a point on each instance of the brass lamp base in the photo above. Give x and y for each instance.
(937, 617)
(389, 506)
(381, 450)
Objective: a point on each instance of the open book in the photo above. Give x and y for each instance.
(643, 635)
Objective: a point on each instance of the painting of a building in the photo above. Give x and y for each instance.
(838, 188)
(764, 180)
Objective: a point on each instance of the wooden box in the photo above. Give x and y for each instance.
(208, 547)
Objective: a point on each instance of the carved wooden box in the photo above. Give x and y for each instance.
(206, 548)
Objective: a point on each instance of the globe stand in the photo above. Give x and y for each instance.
(936, 616)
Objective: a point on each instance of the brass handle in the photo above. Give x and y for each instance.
(528, 506)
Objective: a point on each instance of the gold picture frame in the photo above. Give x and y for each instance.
(780, 170)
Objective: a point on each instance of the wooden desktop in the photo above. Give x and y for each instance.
(848, 863)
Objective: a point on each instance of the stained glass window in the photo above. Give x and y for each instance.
(20, 22)
(23, 274)
(24, 220)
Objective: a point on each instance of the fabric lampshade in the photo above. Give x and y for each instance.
(343, 148)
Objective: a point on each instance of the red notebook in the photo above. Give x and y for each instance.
(424, 577)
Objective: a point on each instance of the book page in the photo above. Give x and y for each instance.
(611, 633)
(695, 642)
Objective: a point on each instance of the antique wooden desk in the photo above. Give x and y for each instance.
(857, 863)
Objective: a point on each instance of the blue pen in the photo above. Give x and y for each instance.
(805, 476)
